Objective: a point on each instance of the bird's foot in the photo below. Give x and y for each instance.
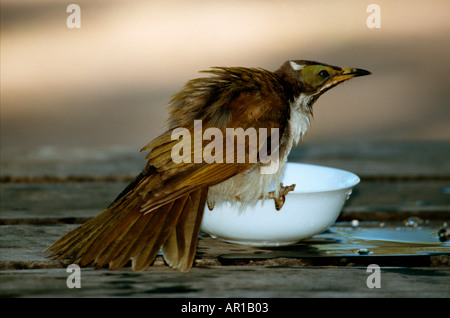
(210, 204)
(281, 198)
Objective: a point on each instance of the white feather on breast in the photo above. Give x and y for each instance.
(248, 187)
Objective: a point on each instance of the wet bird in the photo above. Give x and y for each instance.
(162, 209)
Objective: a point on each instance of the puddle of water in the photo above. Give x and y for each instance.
(403, 235)
(386, 240)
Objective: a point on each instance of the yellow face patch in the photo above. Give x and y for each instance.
(317, 75)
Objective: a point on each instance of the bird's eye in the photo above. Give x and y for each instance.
(324, 74)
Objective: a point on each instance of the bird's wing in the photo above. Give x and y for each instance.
(243, 106)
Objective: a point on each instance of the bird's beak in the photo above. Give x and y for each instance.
(348, 73)
(354, 72)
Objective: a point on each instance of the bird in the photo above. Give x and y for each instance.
(161, 210)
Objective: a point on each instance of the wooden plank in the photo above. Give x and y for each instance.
(22, 246)
(26, 243)
(381, 160)
(229, 282)
(398, 200)
(49, 202)
(401, 193)
(418, 159)
(75, 202)
(79, 162)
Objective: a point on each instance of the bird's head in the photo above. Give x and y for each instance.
(307, 80)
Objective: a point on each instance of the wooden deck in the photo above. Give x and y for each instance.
(403, 200)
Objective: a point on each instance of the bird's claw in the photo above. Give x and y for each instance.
(281, 198)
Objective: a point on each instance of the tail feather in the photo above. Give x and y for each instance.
(123, 248)
(179, 249)
(122, 232)
(120, 256)
(106, 234)
(118, 239)
(67, 246)
(145, 256)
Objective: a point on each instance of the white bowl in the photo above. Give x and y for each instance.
(313, 206)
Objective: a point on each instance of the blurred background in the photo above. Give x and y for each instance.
(107, 84)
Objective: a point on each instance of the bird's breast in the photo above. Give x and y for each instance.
(247, 188)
